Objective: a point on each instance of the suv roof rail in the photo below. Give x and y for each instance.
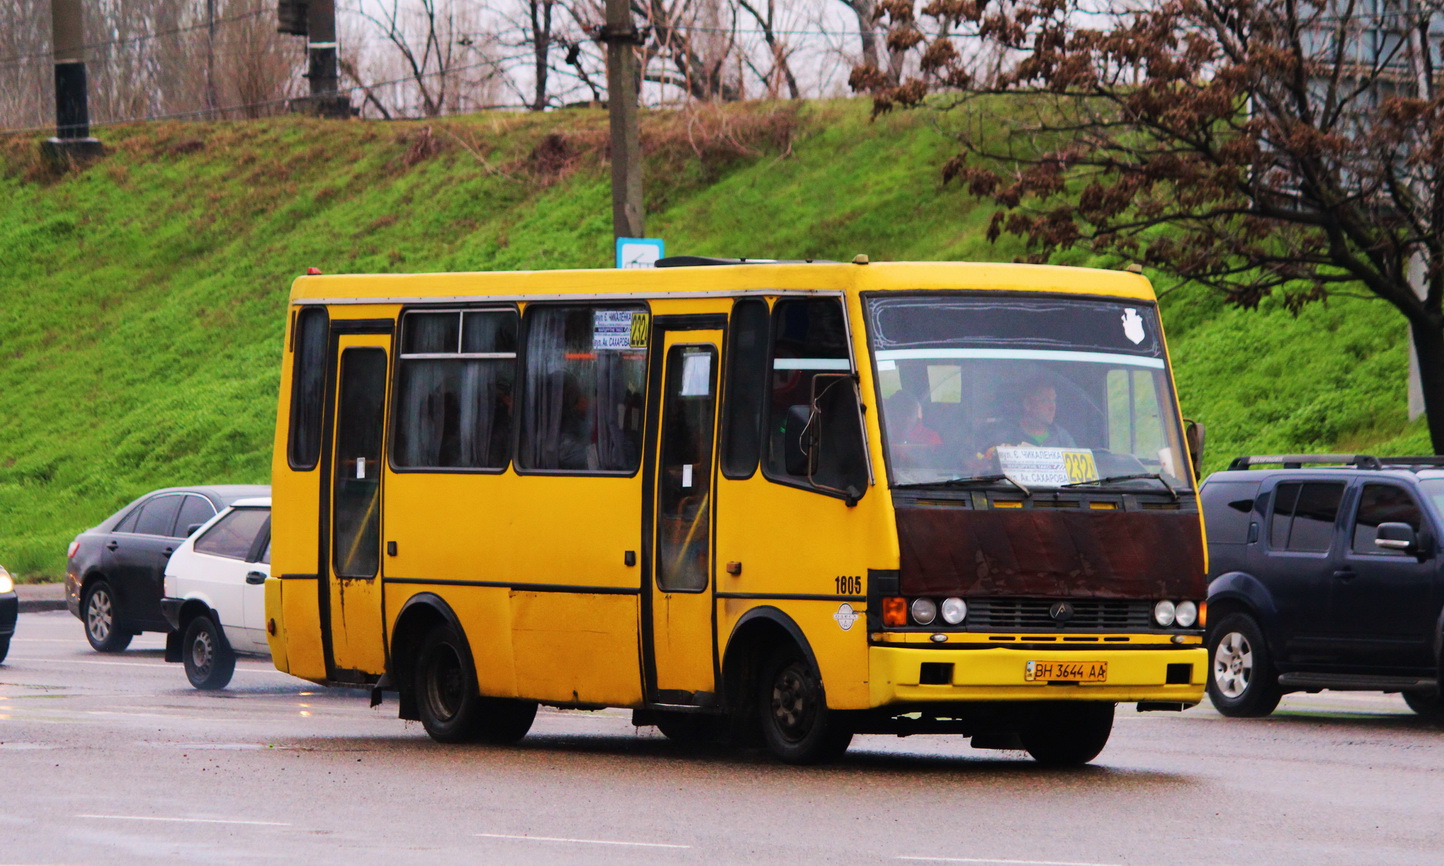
(1425, 462)
(1294, 461)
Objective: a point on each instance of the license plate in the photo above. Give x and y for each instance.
(1072, 672)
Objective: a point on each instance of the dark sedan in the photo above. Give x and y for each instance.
(9, 607)
(115, 574)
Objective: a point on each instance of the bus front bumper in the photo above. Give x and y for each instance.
(919, 675)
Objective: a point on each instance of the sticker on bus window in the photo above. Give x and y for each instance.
(641, 326)
(1047, 467)
(697, 375)
(611, 329)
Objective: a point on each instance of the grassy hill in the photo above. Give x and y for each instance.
(143, 298)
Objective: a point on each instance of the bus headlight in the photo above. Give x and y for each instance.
(955, 610)
(1163, 613)
(924, 610)
(1186, 614)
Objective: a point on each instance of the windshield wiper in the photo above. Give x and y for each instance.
(966, 481)
(1132, 477)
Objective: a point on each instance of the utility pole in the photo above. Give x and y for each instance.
(211, 59)
(72, 108)
(621, 35)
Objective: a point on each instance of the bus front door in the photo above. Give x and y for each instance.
(680, 591)
(354, 638)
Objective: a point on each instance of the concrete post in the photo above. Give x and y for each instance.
(621, 37)
(72, 108)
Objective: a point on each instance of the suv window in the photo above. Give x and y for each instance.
(1383, 503)
(1304, 515)
(1228, 506)
(157, 517)
(234, 535)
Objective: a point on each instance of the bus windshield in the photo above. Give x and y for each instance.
(1030, 392)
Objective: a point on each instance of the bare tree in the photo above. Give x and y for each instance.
(27, 91)
(778, 50)
(445, 65)
(1253, 146)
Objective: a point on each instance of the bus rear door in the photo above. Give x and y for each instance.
(354, 636)
(680, 638)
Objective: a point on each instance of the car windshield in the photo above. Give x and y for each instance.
(1024, 391)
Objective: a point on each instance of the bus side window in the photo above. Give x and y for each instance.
(454, 389)
(582, 386)
(746, 388)
(811, 366)
(308, 386)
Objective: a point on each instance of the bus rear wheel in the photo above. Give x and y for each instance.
(1068, 734)
(449, 700)
(796, 724)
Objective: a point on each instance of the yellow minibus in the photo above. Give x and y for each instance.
(776, 502)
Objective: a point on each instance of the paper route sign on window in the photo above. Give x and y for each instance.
(1047, 467)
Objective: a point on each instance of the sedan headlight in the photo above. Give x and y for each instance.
(1164, 613)
(7, 583)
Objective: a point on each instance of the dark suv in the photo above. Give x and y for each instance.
(1326, 573)
(115, 572)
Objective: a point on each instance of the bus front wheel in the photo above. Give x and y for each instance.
(449, 700)
(1068, 734)
(796, 723)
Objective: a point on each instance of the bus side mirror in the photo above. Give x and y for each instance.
(799, 440)
(1193, 438)
(837, 457)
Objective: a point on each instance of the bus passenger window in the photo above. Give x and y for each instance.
(811, 365)
(746, 388)
(454, 389)
(583, 382)
(308, 388)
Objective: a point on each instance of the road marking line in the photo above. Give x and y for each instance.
(186, 820)
(578, 841)
(997, 860)
(155, 665)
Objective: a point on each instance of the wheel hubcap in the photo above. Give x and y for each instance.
(444, 684)
(1233, 665)
(202, 651)
(98, 615)
(792, 703)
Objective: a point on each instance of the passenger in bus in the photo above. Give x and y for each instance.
(1034, 422)
(574, 449)
(905, 421)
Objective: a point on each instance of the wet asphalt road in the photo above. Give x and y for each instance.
(116, 759)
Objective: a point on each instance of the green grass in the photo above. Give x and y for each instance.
(144, 297)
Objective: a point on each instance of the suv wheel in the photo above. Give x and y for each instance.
(1430, 705)
(1243, 682)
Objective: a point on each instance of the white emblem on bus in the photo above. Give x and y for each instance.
(845, 616)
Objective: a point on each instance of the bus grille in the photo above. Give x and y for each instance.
(998, 614)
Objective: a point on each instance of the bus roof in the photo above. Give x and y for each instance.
(751, 278)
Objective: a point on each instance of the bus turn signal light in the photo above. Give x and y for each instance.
(895, 611)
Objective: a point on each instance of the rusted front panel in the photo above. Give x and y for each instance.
(1056, 553)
